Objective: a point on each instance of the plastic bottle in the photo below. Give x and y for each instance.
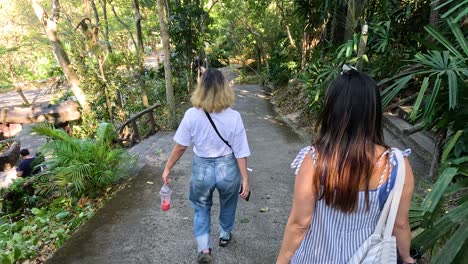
(165, 194)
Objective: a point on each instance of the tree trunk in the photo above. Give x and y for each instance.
(333, 24)
(259, 59)
(50, 27)
(136, 10)
(305, 39)
(434, 14)
(95, 12)
(63, 112)
(106, 25)
(349, 28)
(167, 62)
(283, 19)
(362, 46)
(353, 13)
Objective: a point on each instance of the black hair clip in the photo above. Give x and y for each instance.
(347, 69)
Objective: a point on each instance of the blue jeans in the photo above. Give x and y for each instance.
(208, 174)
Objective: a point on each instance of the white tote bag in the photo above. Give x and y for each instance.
(380, 247)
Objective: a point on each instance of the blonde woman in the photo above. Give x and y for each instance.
(220, 158)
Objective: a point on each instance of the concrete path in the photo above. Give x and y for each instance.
(131, 228)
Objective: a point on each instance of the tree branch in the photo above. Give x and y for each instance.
(283, 19)
(123, 24)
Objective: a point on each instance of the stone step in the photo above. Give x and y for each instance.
(422, 143)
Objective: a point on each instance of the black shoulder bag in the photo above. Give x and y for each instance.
(216, 129)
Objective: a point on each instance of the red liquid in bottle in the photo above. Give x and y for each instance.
(165, 205)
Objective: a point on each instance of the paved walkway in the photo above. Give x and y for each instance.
(131, 228)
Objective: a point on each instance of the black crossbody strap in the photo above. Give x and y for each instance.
(216, 129)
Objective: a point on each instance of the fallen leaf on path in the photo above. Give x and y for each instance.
(264, 209)
(245, 220)
(158, 151)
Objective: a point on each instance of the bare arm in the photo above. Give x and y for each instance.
(176, 153)
(301, 212)
(402, 230)
(242, 163)
(19, 173)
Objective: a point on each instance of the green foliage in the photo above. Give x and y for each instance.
(82, 167)
(316, 78)
(458, 10)
(446, 71)
(18, 196)
(439, 219)
(41, 230)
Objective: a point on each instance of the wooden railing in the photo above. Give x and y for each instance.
(128, 131)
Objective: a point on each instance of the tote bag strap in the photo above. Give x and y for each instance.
(216, 129)
(398, 190)
(393, 200)
(384, 215)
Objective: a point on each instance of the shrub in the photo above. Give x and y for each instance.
(17, 197)
(41, 230)
(82, 167)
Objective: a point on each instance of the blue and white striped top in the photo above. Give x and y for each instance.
(333, 235)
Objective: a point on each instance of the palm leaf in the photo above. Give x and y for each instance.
(421, 94)
(433, 198)
(453, 89)
(57, 134)
(453, 9)
(394, 89)
(442, 40)
(105, 133)
(462, 14)
(448, 221)
(459, 35)
(450, 249)
(429, 109)
(450, 146)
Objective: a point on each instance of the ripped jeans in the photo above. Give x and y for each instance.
(208, 174)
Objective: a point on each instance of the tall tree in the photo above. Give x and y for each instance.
(280, 6)
(136, 11)
(355, 8)
(50, 26)
(95, 12)
(130, 34)
(106, 24)
(162, 14)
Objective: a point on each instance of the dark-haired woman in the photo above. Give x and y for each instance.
(216, 164)
(343, 179)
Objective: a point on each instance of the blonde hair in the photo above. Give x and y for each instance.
(213, 94)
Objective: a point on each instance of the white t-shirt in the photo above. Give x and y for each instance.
(196, 128)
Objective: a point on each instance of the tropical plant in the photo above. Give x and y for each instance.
(40, 230)
(82, 167)
(440, 219)
(18, 196)
(444, 70)
(457, 9)
(316, 78)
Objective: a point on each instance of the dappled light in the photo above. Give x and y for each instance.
(96, 90)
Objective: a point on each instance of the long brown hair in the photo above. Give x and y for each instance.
(349, 127)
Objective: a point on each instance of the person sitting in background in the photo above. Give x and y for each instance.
(25, 168)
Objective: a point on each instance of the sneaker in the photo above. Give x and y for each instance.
(204, 258)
